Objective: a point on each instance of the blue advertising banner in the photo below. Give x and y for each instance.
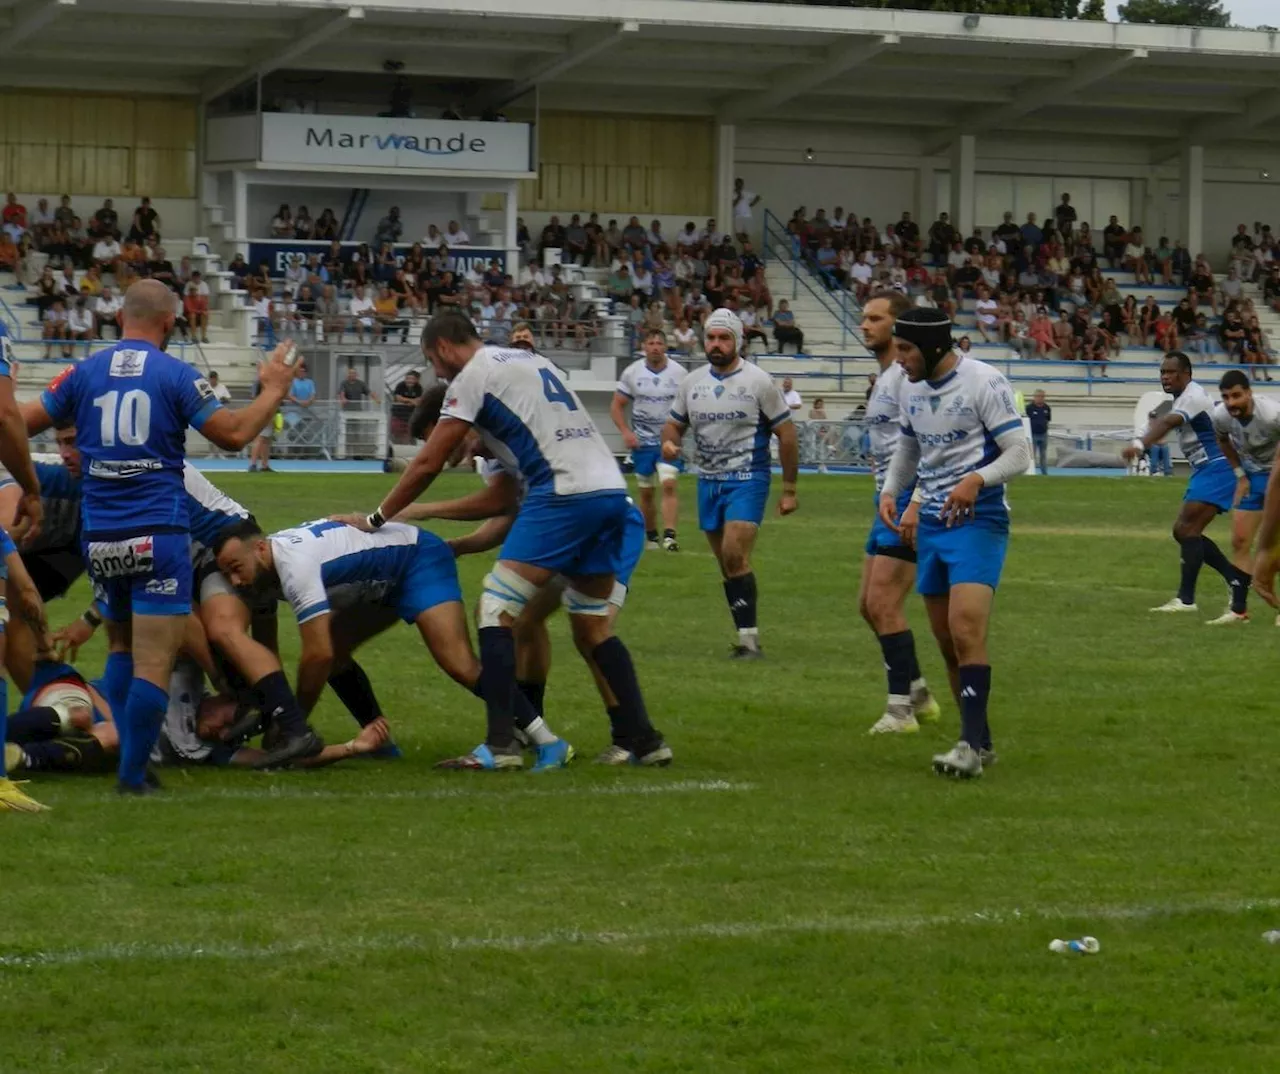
(276, 254)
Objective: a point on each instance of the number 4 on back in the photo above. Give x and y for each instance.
(555, 391)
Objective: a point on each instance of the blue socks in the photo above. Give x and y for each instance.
(140, 729)
(975, 689)
(116, 679)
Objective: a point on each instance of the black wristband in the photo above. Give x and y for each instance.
(92, 619)
(375, 520)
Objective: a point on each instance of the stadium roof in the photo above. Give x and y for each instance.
(930, 73)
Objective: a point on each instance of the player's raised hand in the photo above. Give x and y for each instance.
(28, 519)
(958, 507)
(360, 522)
(276, 373)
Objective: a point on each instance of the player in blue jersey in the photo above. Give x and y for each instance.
(132, 404)
(15, 454)
(496, 506)
(649, 387)
(733, 409)
(1212, 487)
(575, 508)
(962, 440)
(889, 569)
(27, 602)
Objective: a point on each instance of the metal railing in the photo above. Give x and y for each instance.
(782, 247)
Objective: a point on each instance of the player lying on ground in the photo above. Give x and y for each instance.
(497, 505)
(962, 440)
(1210, 491)
(346, 586)
(66, 724)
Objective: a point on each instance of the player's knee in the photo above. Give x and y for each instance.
(734, 562)
(1240, 543)
(504, 597)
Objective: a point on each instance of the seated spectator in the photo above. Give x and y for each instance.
(785, 330)
(389, 228)
(1093, 348)
(146, 222)
(353, 392)
(966, 278)
(362, 314)
(986, 309)
(1201, 287)
(1231, 332)
(195, 304)
(161, 268)
(1008, 233)
(751, 327)
(907, 232)
(261, 278)
(597, 247)
(387, 311)
(106, 309)
(1064, 336)
(1030, 234)
(239, 269)
(303, 226)
(576, 250)
(553, 238)
(1114, 239)
(942, 237)
(329, 314)
(790, 396)
(1135, 257)
(403, 399)
(1184, 317)
(105, 222)
(642, 280)
(220, 391)
(1197, 338)
(612, 236)
(326, 227)
(56, 326)
(455, 236)
(13, 218)
(67, 282)
(684, 338)
(687, 239)
(656, 240)
(295, 274)
(1257, 350)
(1040, 333)
(8, 252)
(619, 286)
(79, 244)
(47, 289)
(80, 320)
(634, 234)
(41, 222)
(1166, 332)
(1232, 287)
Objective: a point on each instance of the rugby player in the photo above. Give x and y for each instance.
(889, 569)
(31, 608)
(1248, 429)
(132, 404)
(569, 523)
(733, 408)
(962, 440)
(649, 385)
(1212, 487)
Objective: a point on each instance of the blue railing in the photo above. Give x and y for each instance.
(781, 246)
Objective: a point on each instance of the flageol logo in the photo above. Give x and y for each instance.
(429, 145)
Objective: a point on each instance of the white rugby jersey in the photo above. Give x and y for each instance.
(651, 394)
(1255, 440)
(178, 742)
(732, 417)
(956, 421)
(211, 510)
(317, 557)
(1196, 435)
(883, 419)
(529, 418)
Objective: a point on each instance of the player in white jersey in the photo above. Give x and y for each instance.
(649, 387)
(889, 569)
(574, 511)
(1248, 428)
(733, 408)
(962, 440)
(1212, 487)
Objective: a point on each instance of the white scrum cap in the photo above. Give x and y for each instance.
(728, 320)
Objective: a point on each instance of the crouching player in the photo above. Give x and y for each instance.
(962, 439)
(346, 586)
(497, 505)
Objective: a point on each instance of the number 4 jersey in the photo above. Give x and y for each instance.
(533, 423)
(131, 405)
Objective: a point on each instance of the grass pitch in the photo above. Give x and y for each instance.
(790, 896)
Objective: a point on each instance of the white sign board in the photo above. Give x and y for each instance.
(433, 145)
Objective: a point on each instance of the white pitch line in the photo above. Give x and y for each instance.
(346, 947)
(286, 791)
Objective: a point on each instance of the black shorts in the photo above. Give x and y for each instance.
(53, 570)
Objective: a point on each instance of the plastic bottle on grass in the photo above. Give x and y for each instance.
(1086, 945)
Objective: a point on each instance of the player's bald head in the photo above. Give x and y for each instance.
(148, 300)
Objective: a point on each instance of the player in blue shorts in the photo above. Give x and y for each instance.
(574, 509)
(30, 607)
(962, 440)
(132, 404)
(649, 387)
(1212, 487)
(733, 409)
(1248, 429)
(497, 505)
(889, 570)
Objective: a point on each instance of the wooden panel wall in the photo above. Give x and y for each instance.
(81, 143)
(623, 164)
